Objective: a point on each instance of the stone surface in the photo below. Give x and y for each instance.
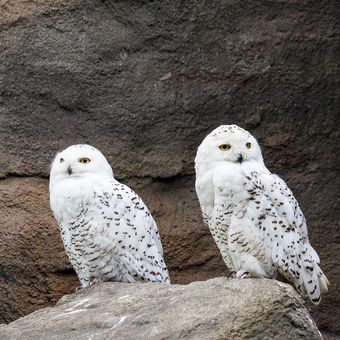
(214, 309)
(145, 81)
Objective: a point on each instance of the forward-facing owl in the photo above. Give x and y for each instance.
(254, 218)
(108, 232)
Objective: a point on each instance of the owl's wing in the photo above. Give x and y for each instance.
(142, 215)
(285, 203)
(286, 227)
(127, 220)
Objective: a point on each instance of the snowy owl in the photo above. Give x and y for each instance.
(107, 230)
(254, 218)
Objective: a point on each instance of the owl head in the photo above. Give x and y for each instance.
(228, 143)
(79, 161)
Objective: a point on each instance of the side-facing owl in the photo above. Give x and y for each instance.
(107, 230)
(254, 218)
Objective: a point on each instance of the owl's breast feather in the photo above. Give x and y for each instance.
(67, 198)
(229, 178)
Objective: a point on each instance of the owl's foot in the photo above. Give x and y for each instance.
(231, 275)
(242, 275)
(238, 274)
(94, 280)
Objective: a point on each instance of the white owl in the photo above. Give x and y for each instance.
(253, 216)
(108, 232)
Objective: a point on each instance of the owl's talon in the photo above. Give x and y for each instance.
(94, 280)
(231, 274)
(243, 275)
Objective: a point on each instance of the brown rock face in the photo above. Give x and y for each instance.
(35, 271)
(214, 309)
(145, 82)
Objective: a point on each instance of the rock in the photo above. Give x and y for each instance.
(213, 309)
(144, 82)
(34, 269)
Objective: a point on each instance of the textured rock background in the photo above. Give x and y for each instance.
(214, 309)
(145, 81)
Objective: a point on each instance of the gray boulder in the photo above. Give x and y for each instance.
(213, 309)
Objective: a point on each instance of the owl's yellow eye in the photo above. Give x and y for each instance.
(224, 147)
(84, 160)
(248, 145)
(61, 160)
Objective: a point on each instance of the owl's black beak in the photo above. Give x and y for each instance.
(69, 170)
(240, 158)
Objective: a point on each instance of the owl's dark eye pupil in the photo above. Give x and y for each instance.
(248, 145)
(61, 160)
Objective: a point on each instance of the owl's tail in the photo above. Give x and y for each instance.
(314, 280)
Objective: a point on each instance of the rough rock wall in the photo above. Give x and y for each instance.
(145, 81)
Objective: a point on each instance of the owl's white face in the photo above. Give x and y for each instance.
(79, 161)
(228, 143)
